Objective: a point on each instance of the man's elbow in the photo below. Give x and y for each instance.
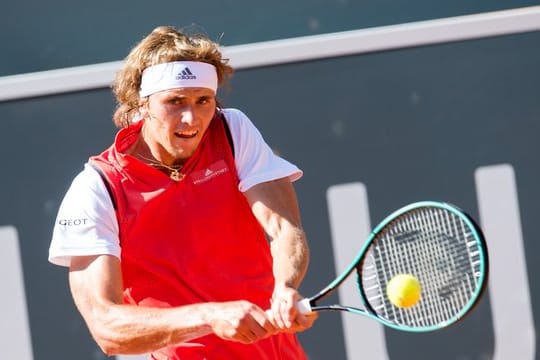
(108, 344)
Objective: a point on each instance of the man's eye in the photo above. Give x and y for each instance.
(175, 101)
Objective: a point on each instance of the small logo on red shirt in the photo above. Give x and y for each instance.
(212, 171)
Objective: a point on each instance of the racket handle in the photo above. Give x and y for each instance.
(303, 306)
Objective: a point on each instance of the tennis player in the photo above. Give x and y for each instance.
(183, 239)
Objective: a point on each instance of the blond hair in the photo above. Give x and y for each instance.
(163, 44)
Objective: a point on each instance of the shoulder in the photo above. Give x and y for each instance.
(237, 119)
(234, 115)
(255, 160)
(241, 127)
(87, 188)
(88, 179)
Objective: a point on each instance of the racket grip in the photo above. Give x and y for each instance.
(303, 306)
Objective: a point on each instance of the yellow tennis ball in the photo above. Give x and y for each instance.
(404, 290)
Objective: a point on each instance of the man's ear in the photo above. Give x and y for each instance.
(143, 108)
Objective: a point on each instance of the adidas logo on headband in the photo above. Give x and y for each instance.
(185, 74)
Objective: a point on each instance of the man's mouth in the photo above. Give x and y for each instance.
(187, 134)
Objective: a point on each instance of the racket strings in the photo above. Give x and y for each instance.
(436, 246)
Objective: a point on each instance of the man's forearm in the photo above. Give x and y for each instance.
(290, 257)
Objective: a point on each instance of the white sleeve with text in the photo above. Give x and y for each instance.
(86, 222)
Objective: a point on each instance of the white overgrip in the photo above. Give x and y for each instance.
(303, 306)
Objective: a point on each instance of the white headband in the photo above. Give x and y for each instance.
(178, 74)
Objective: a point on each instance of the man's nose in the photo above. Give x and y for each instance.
(187, 115)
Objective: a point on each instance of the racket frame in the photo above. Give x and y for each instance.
(311, 304)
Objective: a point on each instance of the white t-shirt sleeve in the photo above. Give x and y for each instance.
(86, 222)
(255, 161)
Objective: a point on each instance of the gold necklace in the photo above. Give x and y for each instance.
(174, 171)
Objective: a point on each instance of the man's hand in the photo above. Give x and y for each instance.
(241, 321)
(284, 313)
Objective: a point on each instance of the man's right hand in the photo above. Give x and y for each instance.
(240, 321)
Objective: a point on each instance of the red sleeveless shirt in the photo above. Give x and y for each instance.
(192, 241)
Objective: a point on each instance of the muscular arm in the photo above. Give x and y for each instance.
(96, 287)
(275, 206)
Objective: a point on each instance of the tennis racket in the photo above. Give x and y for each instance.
(438, 244)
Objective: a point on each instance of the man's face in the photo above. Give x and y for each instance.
(176, 120)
